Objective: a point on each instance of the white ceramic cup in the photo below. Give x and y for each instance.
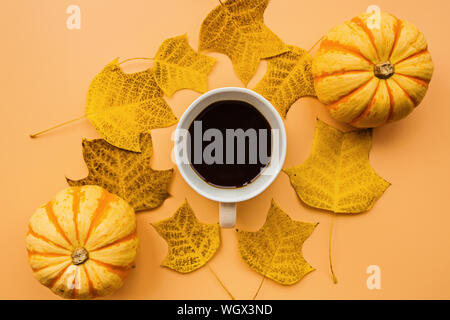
(228, 197)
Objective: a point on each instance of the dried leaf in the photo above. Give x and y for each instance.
(126, 173)
(191, 243)
(288, 78)
(236, 28)
(121, 106)
(337, 176)
(275, 250)
(178, 66)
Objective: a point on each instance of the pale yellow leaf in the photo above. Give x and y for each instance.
(191, 243)
(126, 173)
(288, 78)
(337, 176)
(178, 66)
(275, 250)
(236, 28)
(121, 106)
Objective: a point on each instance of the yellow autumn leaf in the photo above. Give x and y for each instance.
(236, 28)
(288, 78)
(337, 176)
(275, 250)
(125, 173)
(121, 106)
(178, 66)
(191, 243)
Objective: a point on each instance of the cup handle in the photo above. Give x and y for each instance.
(227, 213)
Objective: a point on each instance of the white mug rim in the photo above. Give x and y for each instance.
(179, 161)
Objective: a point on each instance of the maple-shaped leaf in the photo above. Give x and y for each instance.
(192, 243)
(275, 250)
(288, 78)
(125, 173)
(236, 28)
(121, 106)
(178, 66)
(337, 176)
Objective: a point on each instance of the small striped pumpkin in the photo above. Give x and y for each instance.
(82, 243)
(372, 70)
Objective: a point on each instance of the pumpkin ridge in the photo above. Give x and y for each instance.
(47, 266)
(99, 214)
(46, 254)
(367, 31)
(43, 238)
(415, 40)
(337, 73)
(398, 29)
(406, 93)
(329, 44)
(117, 270)
(391, 102)
(75, 210)
(91, 289)
(52, 218)
(58, 276)
(368, 107)
(130, 236)
(348, 96)
(423, 82)
(419, 53)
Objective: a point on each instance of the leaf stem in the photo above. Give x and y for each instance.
(335, 280)
(259, 287)
(315, 44)
(35, 135)
(138, 58)
(221, 283)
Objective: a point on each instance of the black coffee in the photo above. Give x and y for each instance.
(230, 144)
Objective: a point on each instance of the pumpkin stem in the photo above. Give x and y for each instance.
(384, 70)
(79, 256)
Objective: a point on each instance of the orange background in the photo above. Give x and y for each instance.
(46, 71)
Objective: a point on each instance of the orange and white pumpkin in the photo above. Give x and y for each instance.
(372, 70)
(82, 243)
